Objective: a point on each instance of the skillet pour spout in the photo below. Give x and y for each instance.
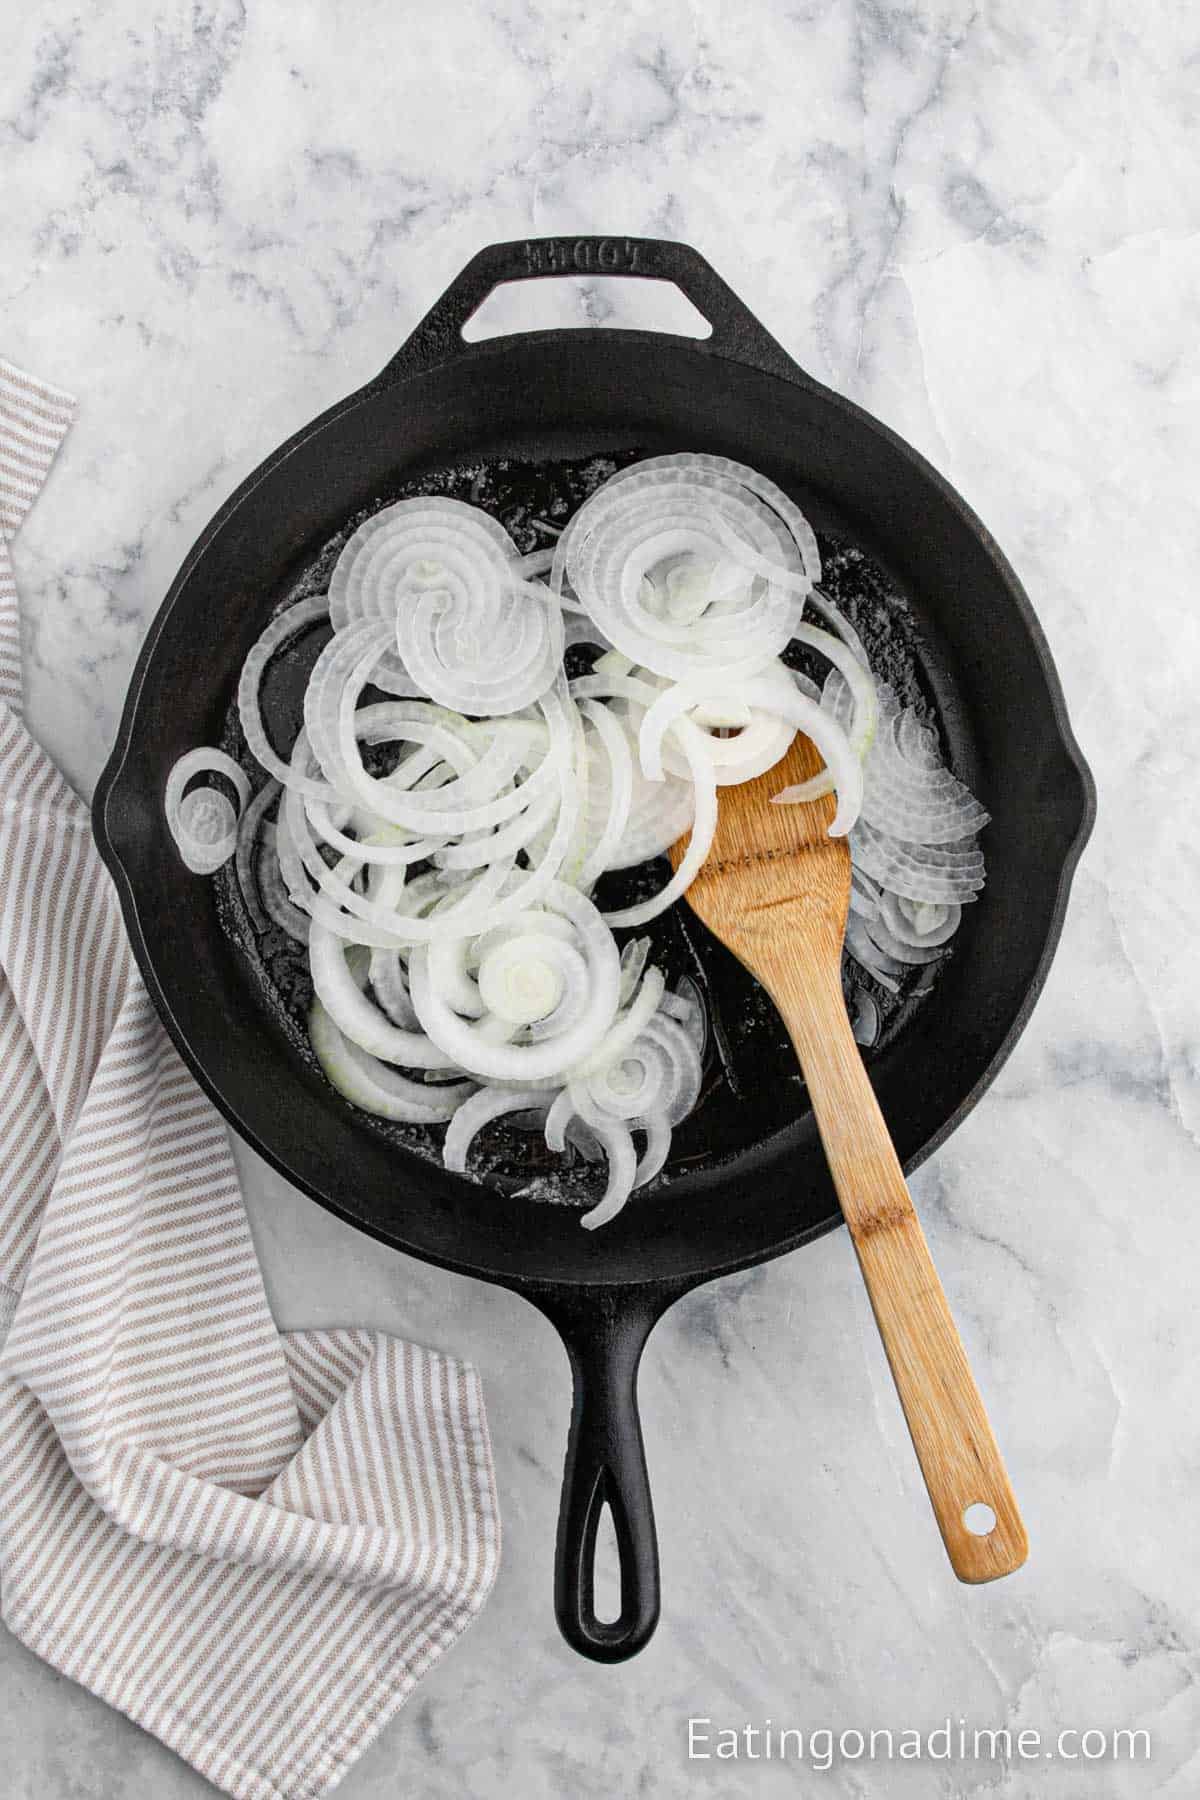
(531, 400)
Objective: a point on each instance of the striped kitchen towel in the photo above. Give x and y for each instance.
(253, 1543)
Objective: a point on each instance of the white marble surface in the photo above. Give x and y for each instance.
(981, 221)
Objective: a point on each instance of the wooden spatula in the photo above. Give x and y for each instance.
(775, 889)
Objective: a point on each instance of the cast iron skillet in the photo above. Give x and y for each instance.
(552, 395)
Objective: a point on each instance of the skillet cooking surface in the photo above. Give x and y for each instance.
(752, 1086)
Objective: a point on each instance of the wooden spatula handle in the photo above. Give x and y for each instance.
(957, 1452)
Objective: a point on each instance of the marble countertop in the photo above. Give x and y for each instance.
(982, 223)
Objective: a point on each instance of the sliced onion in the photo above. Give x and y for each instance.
(204, 822)
(865, 1022)
(622, 1172)
(908, 792)
(937, 873)
(356, 1017)
(482, 1107)
(462, 1041)
(524, 979)
(687, 1005)
(923, 924)
(898, 950)
(868, 955)
(673, 514)
(470, 630)
(284, 626)
(558, 1116)
(639, 1084)
(837, 621)
(477, 799)
(691, 740)
(681, 1050)
(865, 713)
(613, 1136)
(626, 1028)
(390, 987)
(609, 793)
(633, 962)
(371, 1084)
(865, 897)
(206, 830)
(247, 841)
(763, 730)
(277, 903)
(579, 629)
(658, 1148)
(659, 812)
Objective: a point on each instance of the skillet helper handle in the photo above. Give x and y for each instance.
(958, 1454)
(605, 1465)
(736, 333)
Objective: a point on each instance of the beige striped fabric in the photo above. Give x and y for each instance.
(252, 1543)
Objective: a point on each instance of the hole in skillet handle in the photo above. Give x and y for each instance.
(736, 333)
(606, 1569)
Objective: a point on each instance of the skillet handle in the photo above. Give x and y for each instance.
(606, 1465)
(736, 333)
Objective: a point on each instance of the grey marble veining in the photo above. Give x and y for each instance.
(983, 223)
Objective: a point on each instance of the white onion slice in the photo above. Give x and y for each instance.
(658, 1148)
(609, 791)
(837, 621)
(679, 1046)
(371, 1084)
(356, 1017)
(908, 792)
(247, 843)
(687, 1005)
(558, 1117)
(477, 799)
(390, 987)
(865, 1023)
(284, 626)
(869, 956)
(614, 1139)
(900, 951)
(482, 1107)
(461, 1040)
(626, 1028)
(941, 874)
(278, 906)
(691, 741)
(865, 714)
(763, 731)
(204, 823)
(633, 962)
(669, 516)
(639, 1084)
(865, 896)
(470, 629)
(923, 924)
(622, 1172)
(659, 811)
